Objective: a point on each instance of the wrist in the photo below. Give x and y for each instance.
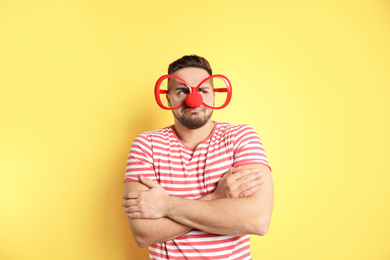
(171, 206)
(210, 196)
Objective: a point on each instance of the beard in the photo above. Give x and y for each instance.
(191, 120)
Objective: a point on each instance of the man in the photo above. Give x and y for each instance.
(192, 190)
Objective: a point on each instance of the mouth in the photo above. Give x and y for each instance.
(193, 110)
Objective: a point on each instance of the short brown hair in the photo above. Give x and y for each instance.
(190, 61)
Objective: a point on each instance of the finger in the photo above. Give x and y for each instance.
(132, 209)
(149, 183)
(249, 177)
(228, 173)
(131, 195)
(233, 174)
(231, 171)
(133, 212)
(250, 184)
(243, 176)
(246, 172)
(124, 203)
(134, 215)
(247, 181)
(249, 188)
(130, 202)
(234, 169)
(249, 192)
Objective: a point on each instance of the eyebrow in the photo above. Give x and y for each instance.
(182, 87)
(177, 84)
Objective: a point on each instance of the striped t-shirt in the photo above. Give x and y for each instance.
(192, 173)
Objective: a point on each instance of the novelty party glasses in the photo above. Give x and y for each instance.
(194, 97)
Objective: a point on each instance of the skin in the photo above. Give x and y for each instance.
(154, 216)
(177, 94)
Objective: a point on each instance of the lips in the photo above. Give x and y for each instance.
(193, 110)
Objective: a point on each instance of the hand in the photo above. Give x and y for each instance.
(146, 204)
(238, 183)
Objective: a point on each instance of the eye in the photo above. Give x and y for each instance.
(183, 91)
(203, 91)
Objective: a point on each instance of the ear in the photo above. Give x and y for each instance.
(168, 99)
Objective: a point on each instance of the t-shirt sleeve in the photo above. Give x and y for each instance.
(140, 160)
(248, 148)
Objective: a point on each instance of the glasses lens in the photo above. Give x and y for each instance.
(163, 92)
(220, 90)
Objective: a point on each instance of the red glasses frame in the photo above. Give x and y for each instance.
(194, 91)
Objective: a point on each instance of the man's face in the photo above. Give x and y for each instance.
(191, 118)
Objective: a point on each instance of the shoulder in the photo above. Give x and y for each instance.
(227, 128)
(159, 133)
(149, 138)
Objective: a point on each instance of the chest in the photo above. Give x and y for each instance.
(192, 173)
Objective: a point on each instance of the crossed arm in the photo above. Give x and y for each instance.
(237, 206)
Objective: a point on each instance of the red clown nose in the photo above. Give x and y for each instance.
(194, 100)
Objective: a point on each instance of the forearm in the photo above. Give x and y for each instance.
(152, 231)
(229, 216)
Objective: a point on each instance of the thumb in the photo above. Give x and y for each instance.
(147, 182)
(234, 169)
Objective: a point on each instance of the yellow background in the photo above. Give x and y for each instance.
(77, 77)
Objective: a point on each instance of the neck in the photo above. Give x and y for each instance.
(192, 137)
